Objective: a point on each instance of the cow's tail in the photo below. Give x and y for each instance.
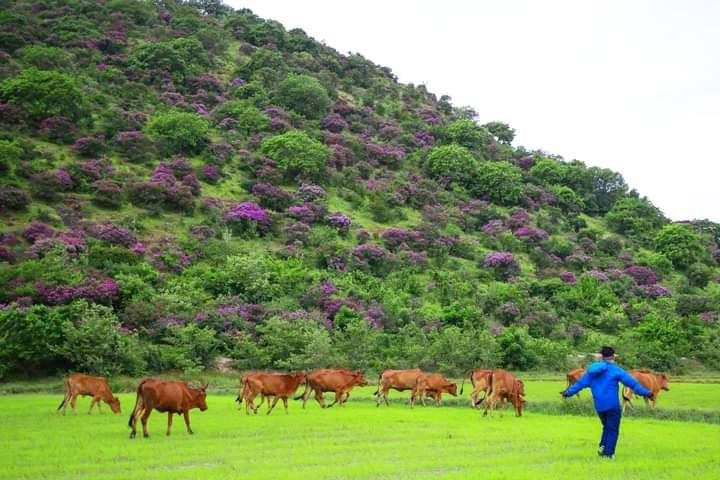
(66, 382)
(138, 404)
(377, 392)
(307, 385)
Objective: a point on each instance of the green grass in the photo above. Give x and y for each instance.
(357, 441)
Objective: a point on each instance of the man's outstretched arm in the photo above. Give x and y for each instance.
(630, 382)
(584, 382)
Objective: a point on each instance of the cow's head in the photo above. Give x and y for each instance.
(299, 377)
(452, 389)
(663, 382)
(114, 404)
(199, 396)
(359, 378)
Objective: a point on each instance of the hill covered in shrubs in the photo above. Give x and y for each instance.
(180, 181)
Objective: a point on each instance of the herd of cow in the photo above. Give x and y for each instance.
(172, 397)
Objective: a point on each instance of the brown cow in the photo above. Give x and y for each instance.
(504, 386)
(78, 384)
(399, 380)
(573, 376)
(479, 379)
(650, 380)
(165, 396)
(432, 383)
(270, 384)
(340, 381)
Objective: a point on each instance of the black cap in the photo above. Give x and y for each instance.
(607, 352)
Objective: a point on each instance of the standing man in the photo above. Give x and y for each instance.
(602, 377)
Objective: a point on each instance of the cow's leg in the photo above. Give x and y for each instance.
(144, 419)
(73, 401)
(320, 398)
(285, 401)
(169, 427)
(99, 404)
(135, 416)
(273, 405)
(186, 414)
(66, 399)
(412, 398)
(438, 399)
(306, 396)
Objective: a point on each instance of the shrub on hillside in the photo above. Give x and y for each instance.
(46, 93)
(452, 162)
(680, 244)
(297, 154)
(303, 94)
(242, 116)
(134, 145)
(179, 132)
(500, 182)
(12, 198)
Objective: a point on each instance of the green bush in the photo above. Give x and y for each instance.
(680, 244)
(467, 134)
(305, 95)
(500, 181)
(29, 340)
(699, 275)
(297, 154)
(179, 132)
(250, 119)
(45, 58)
(189, 348)
(452, 161)
(94, 343)
(635, 216)
(501, 131)
(181, 58)
(46, 93)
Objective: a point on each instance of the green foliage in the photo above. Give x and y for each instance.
(680, 244)
(466, 133)
(305, 95)
(250, 119)
(94, 344)
(45, 93)
(501, 182)
(10, 154)
(45, 58)
(297, 154)
(634, 216)
(699, 275)
(179, 132)
(501, 131)
(29, 339)
(452, 161)
(249, 275)
(180, 58)
(189, 348)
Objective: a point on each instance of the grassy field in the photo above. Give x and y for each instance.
(357, 441)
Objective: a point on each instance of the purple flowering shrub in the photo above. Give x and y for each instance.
(334, 123)
(248, 218)
(531, 234)
(503, 264)
(307, 212)
(272, 197)
(58, 129)
(641, 275)
(48, 185)
(395, 238)
(568, 277)
(99, 290)
(164, 189)
(38, 230)
(339, 221)
(369, 256)
(12, 198)
(311, 193)
(655, 291)
(296, 232)
(89, 146)
(134, 145)
(114, 234)
(211, 173)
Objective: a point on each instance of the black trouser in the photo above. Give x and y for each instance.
(611, 430)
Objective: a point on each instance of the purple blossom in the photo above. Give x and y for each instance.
(211, 173)
(307, 212)
(598, 275)
(271, 196)
(334, 123)
(111, 233)
(89, 146)
(7, 255)
(568, 277)
(423, 139)
(73, 240)
(503, 263)
(58, 128)
(311, 193)
(12, 198)
(493, 226)
(655, 291)
(641, 275)
(38, 230)
(394, 238)
(625, 256)
(525, 162)
(297, 232)
(340, 221)
(368, 255)
(413, 259)
(249, 212)
(518, 219)
(531, 233)
(579, 259)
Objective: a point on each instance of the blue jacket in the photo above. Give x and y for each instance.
(602, 378)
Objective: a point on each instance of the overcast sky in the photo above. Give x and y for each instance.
(629, 85)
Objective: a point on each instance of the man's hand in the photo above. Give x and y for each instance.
(650, 396)
(564, 394)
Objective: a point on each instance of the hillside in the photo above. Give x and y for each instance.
(181, 181)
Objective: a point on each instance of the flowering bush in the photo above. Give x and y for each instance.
(334, 123)
(568, 277)
(655, 291)
(641, 275)
(12, 198)
(211, 173)
(297, 232)
(531, 233)
(310, 193)
(58, 128)
(394, 238)
(598, 275)
(248, 217)
(89, 146)
(307, 212)
(368, 256)
(579, 260)
(134, 145)
(104, 291)
(340, 221)
(271, 196)
(503, 264)
(114, 234)
(36, 231)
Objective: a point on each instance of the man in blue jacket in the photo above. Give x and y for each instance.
(602, 377)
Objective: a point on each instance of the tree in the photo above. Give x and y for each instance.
(454, 162)
(305, 95)
(297, 154)
(634, 216)
(180, 58)
(501, 182)
(501, 131)
(680, 244)
(548, 171)
(46, 93)
(179, 132)
(466, 133)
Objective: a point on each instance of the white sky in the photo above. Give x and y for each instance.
(629, 85)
